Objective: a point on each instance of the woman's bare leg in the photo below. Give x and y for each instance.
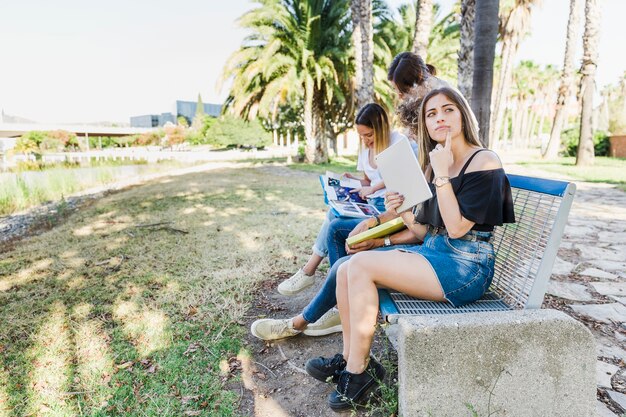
(405, 272)
(311, 265)
(343, 305)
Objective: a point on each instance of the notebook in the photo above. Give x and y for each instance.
(401, 173)
(381, 230)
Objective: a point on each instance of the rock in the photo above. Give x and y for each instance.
(568, 290)
(604, 313)
(612, 266)
(612, 237)
(610, 288)
(617, 397)
(562, 267)
(618, 299)
(579, 231)
(607, 350)
(602, 410)
(598, 273)
(604, 373)
(593, 252)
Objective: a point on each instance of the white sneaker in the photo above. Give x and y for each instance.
(296, 283)
(273, 329)
(327, 324)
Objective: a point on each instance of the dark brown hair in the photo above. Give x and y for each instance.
(408, 70)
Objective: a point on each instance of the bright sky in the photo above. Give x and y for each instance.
(86, 60)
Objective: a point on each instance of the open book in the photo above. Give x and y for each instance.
(343, 202)
(381, 230)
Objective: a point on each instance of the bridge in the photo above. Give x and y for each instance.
(14, 130)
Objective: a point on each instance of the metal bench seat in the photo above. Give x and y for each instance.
(525, 254)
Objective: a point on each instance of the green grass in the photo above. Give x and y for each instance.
(136, 305)
(16, 193)
(606, 170)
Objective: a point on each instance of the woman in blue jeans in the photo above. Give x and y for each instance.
(456, 261)
(372, 125)
(319, 318)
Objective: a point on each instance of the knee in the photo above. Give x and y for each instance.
(359, 268)
(342, 274)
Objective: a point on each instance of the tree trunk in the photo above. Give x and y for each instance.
(466, 52)
(363, 40)
(486, 33)
(423, 25)
(516, 129)
(316, 149)
(509, 47)
(515, 27)
(275, 137)
(567, 81)
(591, 37)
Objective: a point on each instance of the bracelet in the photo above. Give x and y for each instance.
(377, 220)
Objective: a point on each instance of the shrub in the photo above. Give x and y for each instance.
(230, 130)
(570, 138)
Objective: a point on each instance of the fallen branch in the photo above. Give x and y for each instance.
(268, 369)
(151, 224)
(291, 365)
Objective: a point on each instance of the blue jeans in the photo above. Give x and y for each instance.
(464, 268)
(326, 297)
(321, 247)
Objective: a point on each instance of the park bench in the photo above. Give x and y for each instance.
(525, 253)
(504, 355)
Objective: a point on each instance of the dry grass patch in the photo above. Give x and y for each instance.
(130, 305)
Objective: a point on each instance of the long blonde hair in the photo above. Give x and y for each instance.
(469, 124)
(375, 117)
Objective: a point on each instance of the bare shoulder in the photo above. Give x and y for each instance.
(485, 161)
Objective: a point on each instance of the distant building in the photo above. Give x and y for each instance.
(186, 109)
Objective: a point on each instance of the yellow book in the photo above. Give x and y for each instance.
(381, 230)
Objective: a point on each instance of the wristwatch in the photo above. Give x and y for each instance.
(387, 241)
(441, 181)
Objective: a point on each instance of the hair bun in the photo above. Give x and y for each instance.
(431, 69)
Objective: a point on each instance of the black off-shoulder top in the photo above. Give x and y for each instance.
(484, 197)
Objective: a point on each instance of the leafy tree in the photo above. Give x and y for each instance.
(182, 121)
(229, 130)
(198, 118)
(298, 50)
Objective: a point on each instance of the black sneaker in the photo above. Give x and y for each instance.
(355, 389)
(324, 368)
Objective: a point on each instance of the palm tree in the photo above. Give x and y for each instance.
(423, 24)
(363, 50)
(567, 81)
(585, 154)
(486, 34)
(466, 51)
(298, 51)
(515, 22)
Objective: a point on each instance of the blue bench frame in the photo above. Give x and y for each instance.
(525, 254)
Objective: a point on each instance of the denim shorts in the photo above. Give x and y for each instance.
(464, 268)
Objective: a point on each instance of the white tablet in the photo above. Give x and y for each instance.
(401, 173)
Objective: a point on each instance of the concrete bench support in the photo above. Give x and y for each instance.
(517, 363)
